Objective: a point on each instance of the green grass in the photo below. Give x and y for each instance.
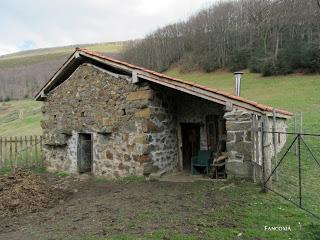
(41, 55)
(293, 92)
(20, 118)
(38, 170)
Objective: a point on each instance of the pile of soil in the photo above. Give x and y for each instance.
(24, 192)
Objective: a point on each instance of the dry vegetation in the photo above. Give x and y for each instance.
(266, 36)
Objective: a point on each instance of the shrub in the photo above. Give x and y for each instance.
(239, 59)
(268, 67)
(311, 59)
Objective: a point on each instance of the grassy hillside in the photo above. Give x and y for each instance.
(34, 56)
(20, 118)
(292, 92)
(23, 73)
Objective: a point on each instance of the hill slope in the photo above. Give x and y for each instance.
(23, 73)
(20, 118)
(293, 92)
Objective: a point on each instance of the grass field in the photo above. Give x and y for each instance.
(294, 93)
(39, 55)
(249, 210)
(20, 118)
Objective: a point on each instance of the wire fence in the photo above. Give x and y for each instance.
(21, 151)
(295, 171)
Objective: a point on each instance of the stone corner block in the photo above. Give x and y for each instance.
(140, 95)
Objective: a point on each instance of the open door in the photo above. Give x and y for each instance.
(190, 143)
(85, 155)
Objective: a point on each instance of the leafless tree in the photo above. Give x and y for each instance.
(244, 29)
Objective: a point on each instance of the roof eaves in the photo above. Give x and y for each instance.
(262, 107)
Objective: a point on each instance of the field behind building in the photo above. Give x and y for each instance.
(295, 93)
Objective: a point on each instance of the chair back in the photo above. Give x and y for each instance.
(204, 156)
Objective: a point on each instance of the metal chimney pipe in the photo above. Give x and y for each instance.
(238, 82)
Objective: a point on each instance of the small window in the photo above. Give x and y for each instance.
(279, 138)
(82, 114)
(124, 111)
(55, 117)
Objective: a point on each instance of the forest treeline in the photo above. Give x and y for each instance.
(267, 36)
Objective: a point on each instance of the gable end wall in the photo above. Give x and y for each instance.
(131, 129)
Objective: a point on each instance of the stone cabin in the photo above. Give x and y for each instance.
(115, 119)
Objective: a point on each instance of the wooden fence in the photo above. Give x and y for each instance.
(23, 151)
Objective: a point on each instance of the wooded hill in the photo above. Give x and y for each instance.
(267, 36)
(22, 74)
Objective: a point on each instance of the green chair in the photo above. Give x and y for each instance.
(202, 160)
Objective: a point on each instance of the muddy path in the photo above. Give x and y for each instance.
(98, 209)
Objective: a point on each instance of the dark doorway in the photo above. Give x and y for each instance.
(216, 130)
(190, 143)
(85, 152)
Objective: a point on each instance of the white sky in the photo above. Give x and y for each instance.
(29, 24)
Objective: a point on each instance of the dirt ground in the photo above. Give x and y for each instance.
(100, 209)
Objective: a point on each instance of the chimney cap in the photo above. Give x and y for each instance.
(235, 73)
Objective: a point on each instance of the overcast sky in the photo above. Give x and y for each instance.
(29, 24)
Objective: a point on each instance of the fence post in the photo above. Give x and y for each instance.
(41, 152)
(295, 131)
(26, 147)
(21, 147)
(31, 149)
(275, 143)
(254, 156)
(301, 122)
(299, 159)
(1, 159)
(36, 150)
(16, 151)
(266, 154)
(10, 145)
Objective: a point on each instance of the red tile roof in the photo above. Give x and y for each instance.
(213, 90)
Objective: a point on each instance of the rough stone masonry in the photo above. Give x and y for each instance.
(135, 127)
(126, 120)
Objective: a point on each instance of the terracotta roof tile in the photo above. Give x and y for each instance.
(172, 79)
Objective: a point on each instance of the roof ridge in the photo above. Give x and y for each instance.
(214, 90)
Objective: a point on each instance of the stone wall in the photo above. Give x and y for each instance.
(122, 117)
(239, 144)
(162, 128)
